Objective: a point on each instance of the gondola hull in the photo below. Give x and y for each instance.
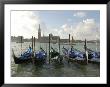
(73, 58)
(94, 57)
(94, 60)
(57, 59)
(82, 61)
(26, 57)
(18, 60)
(55, 56)
(40, 57)
(39, 61)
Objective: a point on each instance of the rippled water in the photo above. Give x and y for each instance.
(53, 69)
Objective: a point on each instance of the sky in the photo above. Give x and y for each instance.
(80, 24)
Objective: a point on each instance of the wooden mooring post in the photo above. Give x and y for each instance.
(68, 55)
(69, 39)
(21, 43)
(32, 52)
(49, 48)
(46, 52)
(72, 40)
(59, 45)
(59, 50)
(86, 52)
(34, 44)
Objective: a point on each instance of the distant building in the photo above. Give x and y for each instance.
(45, 39)
(64, 40)
(18, 39)
(13, 38)
(41, 39)
(39, 33)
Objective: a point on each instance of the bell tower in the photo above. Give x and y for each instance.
(39, 32)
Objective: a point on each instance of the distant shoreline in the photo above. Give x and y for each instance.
(55, 43)
(18, 40)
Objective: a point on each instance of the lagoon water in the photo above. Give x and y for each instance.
(53, 69)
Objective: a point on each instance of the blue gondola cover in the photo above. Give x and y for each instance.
(27, 54)
(73, 53)
(40, 54)
(95, 54)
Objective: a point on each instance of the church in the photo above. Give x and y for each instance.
(45, 39)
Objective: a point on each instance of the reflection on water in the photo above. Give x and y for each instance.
(53, 69)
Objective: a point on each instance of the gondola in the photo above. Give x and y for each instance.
(93, 56)
(25, 57)
(89, 56)
(74, 55)
(40, 56)
(55, 56)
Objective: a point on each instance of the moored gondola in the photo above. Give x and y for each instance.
(93, 56)
(89, 56)
(40, 56)
(25, 57)
(74, 55)
(55, 56)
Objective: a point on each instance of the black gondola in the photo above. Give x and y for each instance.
(25, 57)
(55, 56)
(93, 56)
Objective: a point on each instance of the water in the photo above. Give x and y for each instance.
(54, 69)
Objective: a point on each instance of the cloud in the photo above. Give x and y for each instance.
(79, 14)
(62, 31)
(25, 23)
(88, 29)
(69, 20)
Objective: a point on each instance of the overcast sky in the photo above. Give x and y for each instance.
(79, 23)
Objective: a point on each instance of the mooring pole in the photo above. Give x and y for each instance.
(21, 43)
(46, 52)
(49, 48)
(69, 45)
(34, 44)
(86, 52)
(69, 39)
(85, 45)
(59, 50)
(32, 51)
(59, 45)
(46, 47)
(72, 39)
